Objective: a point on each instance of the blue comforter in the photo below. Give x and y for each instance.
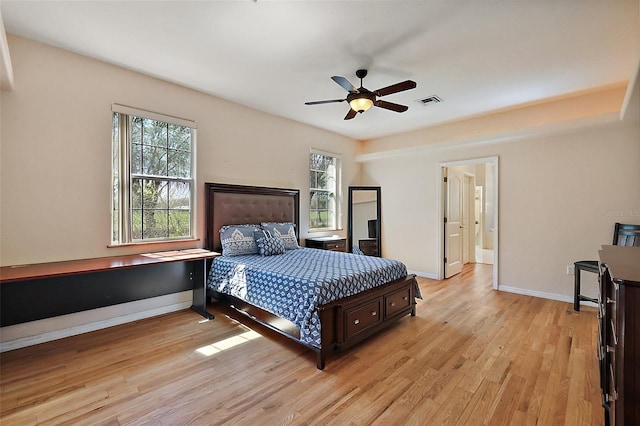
(294, 284)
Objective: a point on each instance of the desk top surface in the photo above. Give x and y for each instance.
(623, 263)
(70, 267)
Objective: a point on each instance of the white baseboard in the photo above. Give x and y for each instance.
(518, 290)
(93, 326)
(541, 294)
(424, 274)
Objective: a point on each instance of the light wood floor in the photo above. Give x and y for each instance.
(470, 356)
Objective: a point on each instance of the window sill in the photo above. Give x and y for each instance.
(154, 243)
(320, 230)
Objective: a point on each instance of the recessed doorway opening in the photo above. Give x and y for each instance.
(468, 206)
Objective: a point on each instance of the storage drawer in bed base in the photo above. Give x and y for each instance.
(337, 318)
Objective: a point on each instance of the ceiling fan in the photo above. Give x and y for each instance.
(362, 99)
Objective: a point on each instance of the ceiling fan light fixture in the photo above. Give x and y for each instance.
(361, 100)
(361, 104)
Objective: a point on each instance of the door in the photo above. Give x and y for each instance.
(453, 222)
(478, 224)
(467, 219)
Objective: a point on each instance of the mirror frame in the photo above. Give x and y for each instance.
(377, 189)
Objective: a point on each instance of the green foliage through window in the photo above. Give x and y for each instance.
(324, 176)
(152, 179)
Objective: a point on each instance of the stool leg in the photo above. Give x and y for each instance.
(576, 290)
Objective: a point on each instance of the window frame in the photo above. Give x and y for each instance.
(121, 171)
(337, 213)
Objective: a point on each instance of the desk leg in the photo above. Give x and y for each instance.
(199, 280)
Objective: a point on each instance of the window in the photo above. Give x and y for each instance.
(152, 167)
(324, 188)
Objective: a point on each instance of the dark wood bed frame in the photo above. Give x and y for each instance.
(343, 322)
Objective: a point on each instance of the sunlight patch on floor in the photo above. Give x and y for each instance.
(227, 343)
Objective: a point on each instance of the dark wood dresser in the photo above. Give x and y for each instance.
(369, 246)
(327, 243)
(619, 334)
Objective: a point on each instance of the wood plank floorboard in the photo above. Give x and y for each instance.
(471, 356)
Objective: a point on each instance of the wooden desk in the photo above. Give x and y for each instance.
(43, 290)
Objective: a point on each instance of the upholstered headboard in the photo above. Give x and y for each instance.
(238, 204)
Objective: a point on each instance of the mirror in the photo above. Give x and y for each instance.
(364, 220)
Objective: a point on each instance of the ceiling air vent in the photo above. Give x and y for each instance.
(430, 100)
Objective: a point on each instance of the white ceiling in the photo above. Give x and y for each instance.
(478, 56)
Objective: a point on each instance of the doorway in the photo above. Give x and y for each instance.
(468, 206)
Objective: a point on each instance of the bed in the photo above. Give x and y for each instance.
(333, 300)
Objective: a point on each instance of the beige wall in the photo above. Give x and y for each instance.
(559, 196)
(55, 161)
(56, 148)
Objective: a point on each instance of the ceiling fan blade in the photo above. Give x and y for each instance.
(345, 84)
(324, 102)
(395, 88)
(391, 106)
(352, 113)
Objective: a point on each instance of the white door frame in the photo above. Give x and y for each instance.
(470, 216)
(440, 186)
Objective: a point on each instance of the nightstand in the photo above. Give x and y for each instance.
(327, 243)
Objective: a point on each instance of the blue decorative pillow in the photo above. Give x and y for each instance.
(356, 250)
(284, 230)
(238, 239)
(270, 246)
(258, 235)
